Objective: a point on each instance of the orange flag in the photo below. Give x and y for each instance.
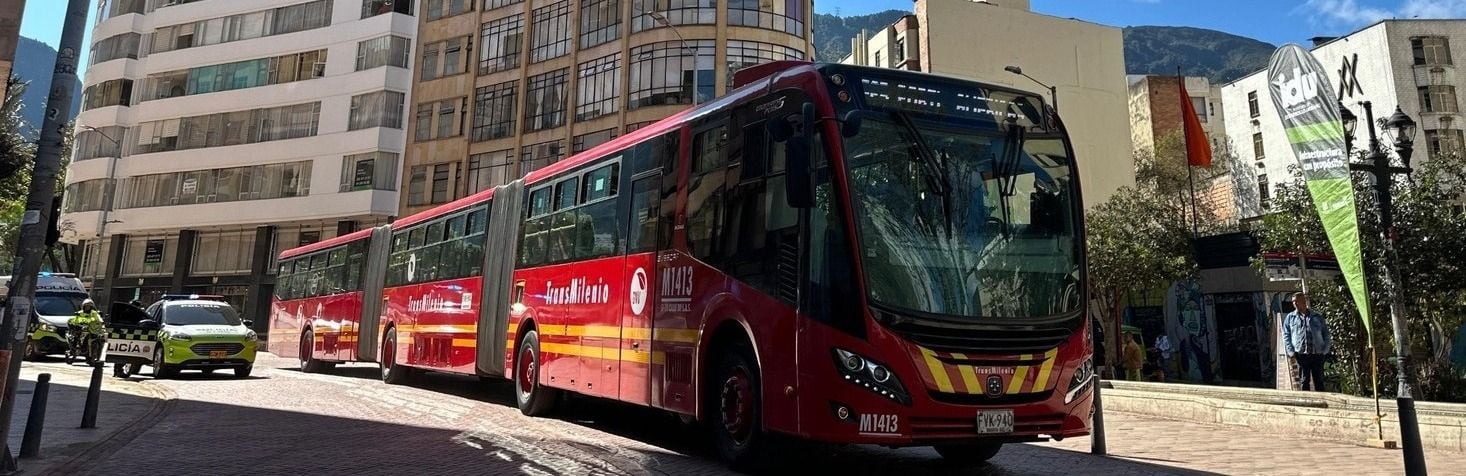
(1198, 149)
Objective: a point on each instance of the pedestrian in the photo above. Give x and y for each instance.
(1164, 347)
(1306, 341)
(1134, 359)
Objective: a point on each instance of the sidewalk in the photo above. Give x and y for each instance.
(125, 409)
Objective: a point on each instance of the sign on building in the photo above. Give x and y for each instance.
(1290, 267)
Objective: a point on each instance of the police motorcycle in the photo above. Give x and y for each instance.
(131, 338)
(85, 339)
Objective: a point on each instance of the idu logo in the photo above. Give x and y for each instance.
(1294, 91)
(638, 291)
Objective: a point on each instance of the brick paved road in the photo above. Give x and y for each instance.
(285, 422)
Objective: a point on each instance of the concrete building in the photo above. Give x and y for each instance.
(1155, 115)
(504, 87)
(10, 13)
(214, 134)
(1410, 64)
(978, 39)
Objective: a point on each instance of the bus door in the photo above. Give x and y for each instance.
(637, 360)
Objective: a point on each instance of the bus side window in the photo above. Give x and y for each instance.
(645, 211)
(533, 240)
(706, 189)
(473, 244)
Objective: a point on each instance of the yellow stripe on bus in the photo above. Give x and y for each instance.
(939, 371)
(682, 336)
(969, 376)
(1042, 382)
(1016, 384)
(464, 342)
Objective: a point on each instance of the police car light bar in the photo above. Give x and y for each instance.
(174, 297)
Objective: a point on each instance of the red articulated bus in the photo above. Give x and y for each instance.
(836, 253)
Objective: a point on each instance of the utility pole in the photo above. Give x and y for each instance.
(36, 218)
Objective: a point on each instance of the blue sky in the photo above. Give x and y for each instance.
(1273, 21)
(42, 21)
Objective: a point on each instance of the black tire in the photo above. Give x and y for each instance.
(534, 399)
(243, 371)
(391, 372)
(968, 454)
(308, 363)
(94, 351)
(161, 369)
(737, 411)
(33, 350)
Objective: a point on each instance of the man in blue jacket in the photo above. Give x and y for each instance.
(1306, 340)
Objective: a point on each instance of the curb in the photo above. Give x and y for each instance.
(164, 400)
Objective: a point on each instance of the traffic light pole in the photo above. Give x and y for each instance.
(32, 248)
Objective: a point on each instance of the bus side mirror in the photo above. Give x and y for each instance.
(799, 183)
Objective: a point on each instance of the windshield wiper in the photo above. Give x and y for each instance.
(936, 170)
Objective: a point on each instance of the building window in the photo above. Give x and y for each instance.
(445, 113)
(101, 142)
(1252, 109)
(115, 47)
(492, 4)
(488, 170)
(1438, 99)
(94, 259)
(533, 157)
(424, 124)
(676, 12)
(500, 42)
(551, 32)
(898, 51)
(369, 171)
(226, 252)
(244, 26)
(638, 125)
(662, 73)
(117, 92)
(600, 22)
(585, 142)
(1431, 50)
(1264, 193)
(238, 75)
(227, 128)
(598, 88)
(453, 57)
(378, 109)
(442, 183)
(417, 186)
(1440, 141)
(149, 256)
(877, 63)
(1257, 149)
(778, 15)
(111, 8)
(1199, 105)
(493, 111)
(371, 8)
(383, 51)
(429, 61)
(544, 105)
(446, 8)
(86, 196)
(742, 54)
(256, 182)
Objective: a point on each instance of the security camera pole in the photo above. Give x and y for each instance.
(32, 248)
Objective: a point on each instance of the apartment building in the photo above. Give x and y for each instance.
(1409, 64)
(503, 87)
(216, 133)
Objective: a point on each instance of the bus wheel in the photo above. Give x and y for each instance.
(534, 399)
(969, 454)
(308, 362)
(391, 372)
(739, 418)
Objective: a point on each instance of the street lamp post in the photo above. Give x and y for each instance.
(1053, 91)
(662, 19)
(1402, 128)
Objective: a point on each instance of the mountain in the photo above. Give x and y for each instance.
(34, 63)
(1221, 57)
(832, 33)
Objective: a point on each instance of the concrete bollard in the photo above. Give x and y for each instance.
(94, 393)
(30, 446)
(1097, 427)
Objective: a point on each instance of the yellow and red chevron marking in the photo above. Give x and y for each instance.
(953, 372)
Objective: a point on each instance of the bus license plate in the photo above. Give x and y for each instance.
(219, 354)
(995, 421)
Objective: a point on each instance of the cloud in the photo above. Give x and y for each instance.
(1349, 14)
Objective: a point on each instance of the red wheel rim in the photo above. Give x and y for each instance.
(527, 369)
(307, 347)
(389, 352)
(737, 405)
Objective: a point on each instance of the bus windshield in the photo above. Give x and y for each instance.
(962, 219)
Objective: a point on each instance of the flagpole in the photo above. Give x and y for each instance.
(1186, 140)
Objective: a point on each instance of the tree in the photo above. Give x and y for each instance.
(17, 157)
(1432, 231)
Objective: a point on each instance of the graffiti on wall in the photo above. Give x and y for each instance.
(1191, 321)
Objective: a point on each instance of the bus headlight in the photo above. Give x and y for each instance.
(871, 375)
(1083, 378)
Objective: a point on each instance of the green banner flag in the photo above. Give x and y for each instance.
(1309, 109)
